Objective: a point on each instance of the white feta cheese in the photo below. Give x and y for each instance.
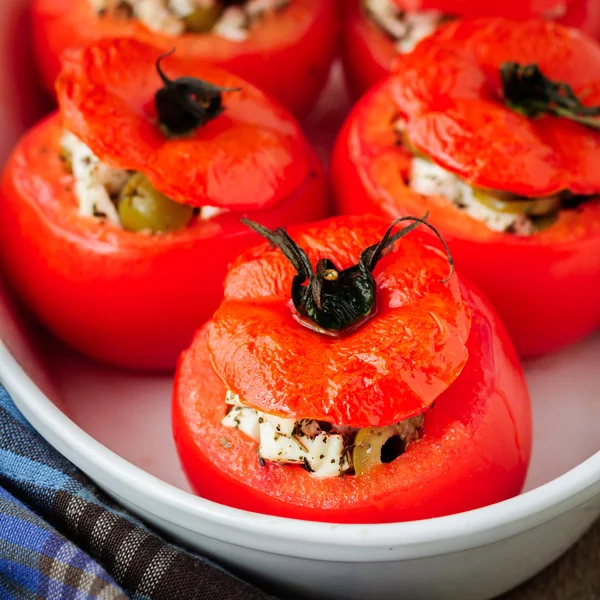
(419, 25)
(232, 399)
(94, 180)
(287, 441)
(406, 28)
(279, 448)
(324, 453)
(232, 25)
(244, 419)
(328, 456)
(429, 179)
(209, 212)
(155, 15)
(281, 426)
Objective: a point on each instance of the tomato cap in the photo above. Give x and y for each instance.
(390, 368)
(450, 93)
(252, 156)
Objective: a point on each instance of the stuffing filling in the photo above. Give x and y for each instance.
(407, 29)
(100, 191)
(429, 179)
(229, 19)
(323, 449)
(500, 211)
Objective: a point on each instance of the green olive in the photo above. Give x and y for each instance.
(369, 445)
(505, 202)
(203, 19)
(381, 445)
(143, 207)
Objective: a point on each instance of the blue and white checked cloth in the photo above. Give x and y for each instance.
(62, 538)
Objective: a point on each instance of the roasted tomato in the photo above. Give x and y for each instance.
(122, 213)
(284, 47)
(475, 129)
(376, 31)
(358, 384)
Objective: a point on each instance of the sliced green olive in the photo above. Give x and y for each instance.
(504, 202)
(377, 446)
(143, 207)
(203, 19)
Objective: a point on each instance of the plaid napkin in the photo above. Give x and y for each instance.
(62, 538)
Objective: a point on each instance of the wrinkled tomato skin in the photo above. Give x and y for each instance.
(368, 53)
(128, 299)
(475, 448)
(546, 287)
(288, 56)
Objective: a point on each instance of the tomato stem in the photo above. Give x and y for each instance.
(529, 92)
(186, 103)
(337, 300)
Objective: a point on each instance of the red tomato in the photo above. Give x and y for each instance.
(287, 54)
(477, 436)
(546, 286)
(368, 52)
(132, 299)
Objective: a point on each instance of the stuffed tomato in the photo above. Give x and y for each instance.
(484, 126)
(346, 377)
(375, 32)
(282, 46)
(122, 212)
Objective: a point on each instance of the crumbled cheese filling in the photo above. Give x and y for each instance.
(287, 441)
(95, 182)
(323, 449)
(97, 185)
(429, 179)
(168, 16)
(407, 29)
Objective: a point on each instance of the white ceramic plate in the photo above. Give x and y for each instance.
(115, 426)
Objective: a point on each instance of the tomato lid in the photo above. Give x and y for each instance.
(250, 156)
(512, 9)
(451, 93)
(390, 367)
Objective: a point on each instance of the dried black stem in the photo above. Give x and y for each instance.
(528, 91)
(336, 300)
(187, 103)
